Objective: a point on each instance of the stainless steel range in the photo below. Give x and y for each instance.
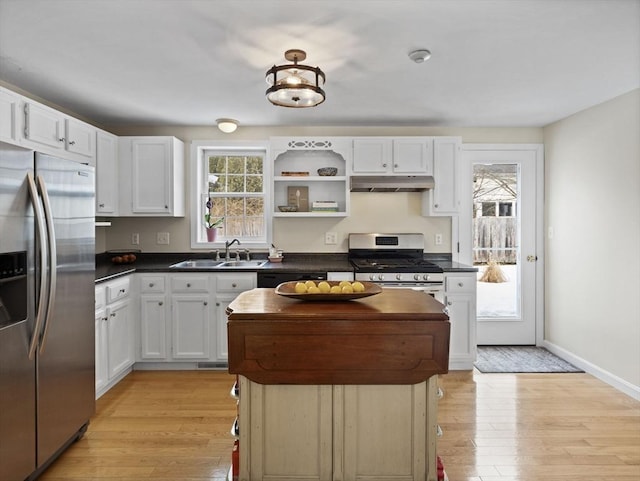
(395, 260)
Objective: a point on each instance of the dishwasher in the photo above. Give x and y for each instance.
(274, 279)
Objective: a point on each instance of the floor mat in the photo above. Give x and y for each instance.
(520, 359)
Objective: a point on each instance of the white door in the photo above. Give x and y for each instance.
(501, 234)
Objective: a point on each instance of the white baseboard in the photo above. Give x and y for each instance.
(605, 376)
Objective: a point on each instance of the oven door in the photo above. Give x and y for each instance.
(434, 290)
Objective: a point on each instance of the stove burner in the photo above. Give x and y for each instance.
(395, 265)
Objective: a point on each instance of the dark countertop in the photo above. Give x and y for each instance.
(160, 262)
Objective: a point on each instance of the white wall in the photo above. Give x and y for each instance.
(592, 183)
(380, 212)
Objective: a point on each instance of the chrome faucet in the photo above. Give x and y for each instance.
(228, 244)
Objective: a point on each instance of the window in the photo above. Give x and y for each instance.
(231, 184)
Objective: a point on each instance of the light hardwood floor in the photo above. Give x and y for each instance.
(174, 426)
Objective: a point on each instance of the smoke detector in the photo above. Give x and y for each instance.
(419, 56)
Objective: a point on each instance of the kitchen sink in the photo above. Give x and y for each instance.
(197, 264)
(247, 264)
(213, 264)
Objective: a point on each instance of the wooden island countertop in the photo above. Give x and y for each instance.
(399, 336)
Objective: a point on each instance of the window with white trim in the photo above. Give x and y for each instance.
(230, 195)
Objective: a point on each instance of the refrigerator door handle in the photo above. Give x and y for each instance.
(53, 263)
(42, 299)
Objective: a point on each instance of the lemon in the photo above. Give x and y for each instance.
(300, 288)
(335, 290)
(324, 287)
(313, 290)
(344, 283)
(310, 284)
(357, 286)
(347, 289)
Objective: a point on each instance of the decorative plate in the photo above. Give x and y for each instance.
(287, 289)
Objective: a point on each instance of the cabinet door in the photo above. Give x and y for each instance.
(44, 127)
(286, 443)
(384, 432)
(9, 104)
(460, 298)
(222, 349)
(413, 156)
(151, 175)
(153, 327)
(191, 327)
(106, 174)
(371, 155)
(446, 197)
(81, 139)
(102, 366)
(120, 338)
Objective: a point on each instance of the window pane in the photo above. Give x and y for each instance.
(235, 165)
(254, 165)
(488, 209)
(254, 184)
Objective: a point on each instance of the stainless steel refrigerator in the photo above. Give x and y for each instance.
(47, 347)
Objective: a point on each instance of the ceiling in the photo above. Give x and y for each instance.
(494, 63)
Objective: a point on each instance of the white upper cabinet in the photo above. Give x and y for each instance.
(444, 198)
(389, 156)
(106, 174)
(151, 173)
(55, 133)
(9, 105)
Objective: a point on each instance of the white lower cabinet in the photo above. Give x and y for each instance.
(183, 318)
(460, 299)
(345, 433)
(228, 287)
(114, 333)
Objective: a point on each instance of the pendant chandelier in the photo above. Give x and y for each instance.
(295, 85)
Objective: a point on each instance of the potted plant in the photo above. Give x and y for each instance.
(210, 226)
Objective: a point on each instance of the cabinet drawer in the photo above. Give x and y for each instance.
(100, 298)
(151, 284)
(117, 290)
(190, 284)
(460, 284)
(236, 283)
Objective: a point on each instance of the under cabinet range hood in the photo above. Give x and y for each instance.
(391, 183)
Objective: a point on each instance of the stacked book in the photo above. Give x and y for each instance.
(324, 206)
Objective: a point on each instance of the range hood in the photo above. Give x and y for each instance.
(391, 183)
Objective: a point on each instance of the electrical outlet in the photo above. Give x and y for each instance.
(331, 238)
(135, 239)
(438, 239)
(162, 238)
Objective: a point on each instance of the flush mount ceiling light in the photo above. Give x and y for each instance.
(295, 85)
(419, 56)
(227, 125)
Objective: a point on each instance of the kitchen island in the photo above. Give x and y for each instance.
(337, 390)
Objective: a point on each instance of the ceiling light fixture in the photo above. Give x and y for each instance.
(227, 125)
(419, 56)
(295, 85)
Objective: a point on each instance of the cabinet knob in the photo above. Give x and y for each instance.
(160, 303)
(122, 291)
(166, 206)
(113, 314)
(218, 304)
(101, 205)
(188, 284)
(205, 303)
(234, 284)
(151, 284)
(436, 205)
(395, 166)
(460, 284)
(449, 303)
(73, 142)
(384, 165)
(105, 318)
(61, 139)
